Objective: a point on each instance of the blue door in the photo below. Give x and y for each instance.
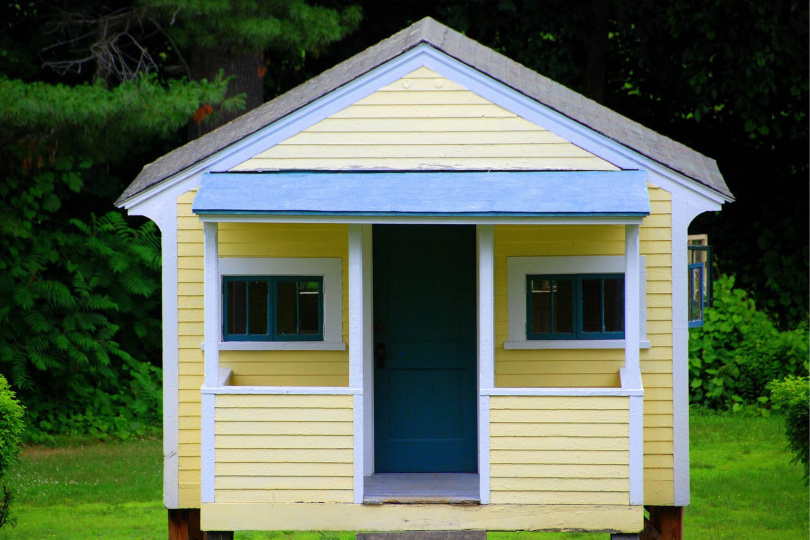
(424, 348)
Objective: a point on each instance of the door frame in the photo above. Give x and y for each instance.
(361, 346)
(461, 245)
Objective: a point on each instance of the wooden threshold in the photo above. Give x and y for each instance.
(422, 488)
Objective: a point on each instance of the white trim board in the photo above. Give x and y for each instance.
(520, 267)
(328, 268)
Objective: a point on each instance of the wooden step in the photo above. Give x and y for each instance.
(424, 535)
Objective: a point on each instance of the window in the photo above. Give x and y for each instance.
(700, 280)
(273, 308)
(569, 306)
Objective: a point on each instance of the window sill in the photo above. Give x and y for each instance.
(280, 346)
(572, 344)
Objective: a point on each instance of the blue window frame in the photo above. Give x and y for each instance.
(272, 308)
(697, 294)
(575, 306)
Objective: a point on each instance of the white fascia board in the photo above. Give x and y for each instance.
(421, 220)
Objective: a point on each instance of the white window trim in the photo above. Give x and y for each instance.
(331, 271)
(520, 267)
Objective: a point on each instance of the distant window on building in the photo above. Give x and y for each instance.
(700, 277)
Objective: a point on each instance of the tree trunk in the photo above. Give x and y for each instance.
(247, 70)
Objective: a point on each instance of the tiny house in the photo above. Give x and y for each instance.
(429, 289)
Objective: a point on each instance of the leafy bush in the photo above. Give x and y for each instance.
(792, 395)
(11, 429)
(738, 351)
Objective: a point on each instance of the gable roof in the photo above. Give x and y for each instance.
(575, 106)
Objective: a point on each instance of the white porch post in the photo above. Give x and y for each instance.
(213, 320)
(486, 348)
(360, 335)
(632, 302)
(632, 323)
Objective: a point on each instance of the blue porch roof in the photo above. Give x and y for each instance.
(426, 193)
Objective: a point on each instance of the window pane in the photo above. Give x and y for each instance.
(308, 293)
(287, 308)
(237, 307)
(563, 293)
(695, 293)
(592, 305)
(257, 304)
(614, 305)
(541, 306)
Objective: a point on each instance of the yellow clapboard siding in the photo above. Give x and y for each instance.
(285, 428)
(434, 96)
(658, 461)
(427, 151)
(438, 138)
(652, 448)
(283, 441)
(658, 420)
(283, 415)
(657, 434)
(560, 484)
(286, 455)
(311, 363)
(659, 493)
(601, 457)
(557, 381)
(561, 403)
(499, 442)
(529, 471)
(556, 367)
(535, 416)
(283, 483)
(471, 163)
(568, 356)
(290, 380)
(657, 380)
(284, 469)
(283, 496)
(189, 435)
(326, 402)
(403, 127)
(189, 477)
(559, 497)
(658, 474)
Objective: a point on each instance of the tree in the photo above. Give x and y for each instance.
(79, 294)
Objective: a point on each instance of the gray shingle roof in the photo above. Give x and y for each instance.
(533, 85)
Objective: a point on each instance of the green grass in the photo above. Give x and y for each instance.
(743, 486)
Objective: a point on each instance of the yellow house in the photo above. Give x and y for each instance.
(429, 289)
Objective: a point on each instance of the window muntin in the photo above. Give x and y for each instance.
(586, 306)
(273, 308)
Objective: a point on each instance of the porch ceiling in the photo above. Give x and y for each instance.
(426, 193)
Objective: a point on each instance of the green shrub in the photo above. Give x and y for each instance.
(738, 351)
(11, 429)
(792, 396)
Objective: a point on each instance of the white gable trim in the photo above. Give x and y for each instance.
(450, 68)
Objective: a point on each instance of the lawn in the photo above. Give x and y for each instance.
(743, 486)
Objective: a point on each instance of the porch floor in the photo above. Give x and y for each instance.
(422, 488)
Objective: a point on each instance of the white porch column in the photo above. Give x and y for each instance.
(486, 348)
(213, 325)
(632, 371)
(632, 301)
(360, 347)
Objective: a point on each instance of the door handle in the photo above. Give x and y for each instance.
(379, 355)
